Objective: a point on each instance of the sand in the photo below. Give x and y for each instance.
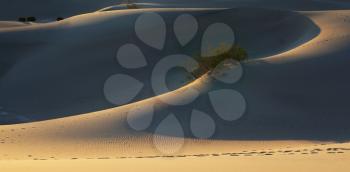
(295, 86)
(325, 162)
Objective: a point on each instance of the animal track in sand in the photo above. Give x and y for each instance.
(245, 153)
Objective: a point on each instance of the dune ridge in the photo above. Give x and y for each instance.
(59, 37)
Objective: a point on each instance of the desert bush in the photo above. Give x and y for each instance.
(207, 64)
(22, 19)
(59, 18)
(132, 6)
(31, 19)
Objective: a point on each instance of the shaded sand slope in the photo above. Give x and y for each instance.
(61, 59)
(322, 65)
(305, 88)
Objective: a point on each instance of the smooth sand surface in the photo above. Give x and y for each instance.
(295, 84)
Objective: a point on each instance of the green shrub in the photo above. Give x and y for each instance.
(207, 64)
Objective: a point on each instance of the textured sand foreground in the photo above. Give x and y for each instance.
(322, 158)
(295, 84)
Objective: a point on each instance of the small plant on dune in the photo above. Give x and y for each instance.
(207, 64)
(22, 19)
(31, 19)
(130, 4)
(59, 18)
(200, 124)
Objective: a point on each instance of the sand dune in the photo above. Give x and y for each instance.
(75, 100)
(294, 84)
(50, 10)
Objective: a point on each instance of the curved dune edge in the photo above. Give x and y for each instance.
(107, 134)
(333, 35)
